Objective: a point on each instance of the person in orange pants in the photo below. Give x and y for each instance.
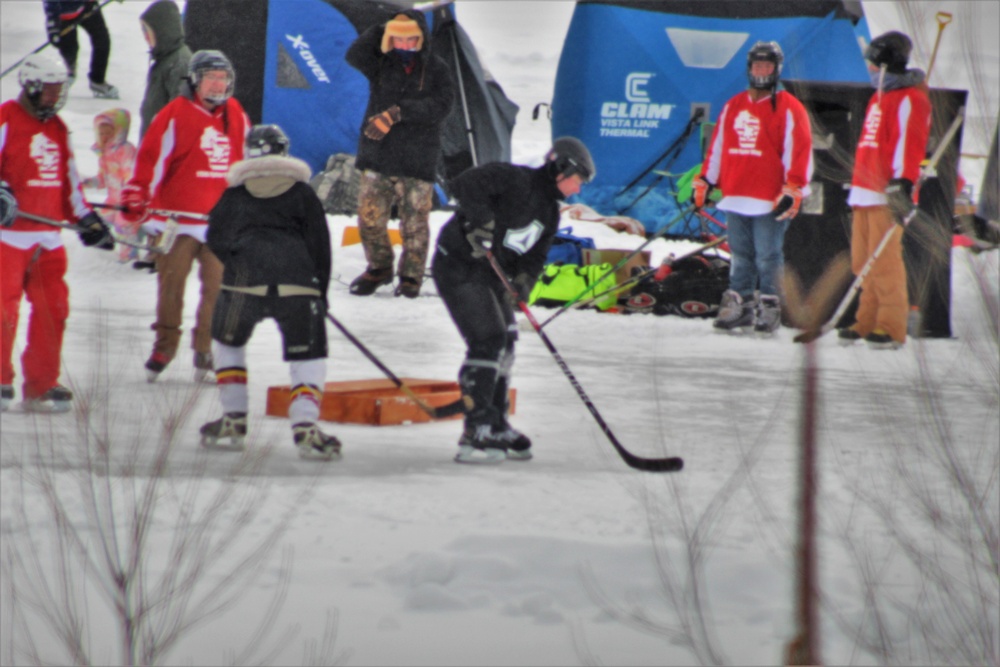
(892, 145)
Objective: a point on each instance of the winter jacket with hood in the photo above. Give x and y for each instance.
(116, 159)
(269, 229)
(169, 58)
(424, 97)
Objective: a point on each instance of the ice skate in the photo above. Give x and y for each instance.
(204, 365)
(847, 337)
(56, 399)
(313, 444)
(227, 433)
(478, 445)
(6, 397)
(154, 366)
(735, 315)
(104, 91)
(768, 319)
(518, 444)
(881, 341)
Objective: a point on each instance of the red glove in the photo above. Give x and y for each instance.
(786, 206)
(700, 189)
(135, 204)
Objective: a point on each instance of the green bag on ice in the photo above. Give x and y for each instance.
(561, 283)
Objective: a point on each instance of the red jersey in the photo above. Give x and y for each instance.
(37, 162)
(186, 153)
(756, 149)
(893, 143)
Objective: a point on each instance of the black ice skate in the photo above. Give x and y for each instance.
(227, 433)
(313, 444)
(735, 315)
(479, 445)
(56, 399)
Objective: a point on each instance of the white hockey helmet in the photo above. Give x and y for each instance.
(37, 70)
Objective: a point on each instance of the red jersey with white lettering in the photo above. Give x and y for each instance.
(893, 143)
(757, 148)
(186, 153)
(37, 162)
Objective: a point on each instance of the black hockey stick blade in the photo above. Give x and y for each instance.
(669, 464)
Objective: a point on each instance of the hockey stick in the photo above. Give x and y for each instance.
(78, 229)
(622, 262)
(670, 464)
(69, 27)
(165, 212)
(639, 277)
(434, 413)
(845, 303)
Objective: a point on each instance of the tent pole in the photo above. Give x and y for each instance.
(461, 91)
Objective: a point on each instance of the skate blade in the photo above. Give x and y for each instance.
(310, 453)
(489, 456)
(224, 444)
(204, 375)
(514, 455)
(46, 407)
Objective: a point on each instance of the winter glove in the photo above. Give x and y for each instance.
(8, 205)
(481, 239)
(94, 232)
(787, 205)
(53, 26)
(899, 192)
(134, 203)
(523, 283)
(379, 126)
(700, 189)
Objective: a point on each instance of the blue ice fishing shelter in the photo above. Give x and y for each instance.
(642, 81)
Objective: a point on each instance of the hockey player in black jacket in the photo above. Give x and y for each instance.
(269, 230)
(513, 211)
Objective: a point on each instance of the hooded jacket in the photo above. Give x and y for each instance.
(116, 159)
(424, 97)
(169, 58)
(269, 229)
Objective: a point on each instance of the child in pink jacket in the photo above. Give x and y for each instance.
(116, 159)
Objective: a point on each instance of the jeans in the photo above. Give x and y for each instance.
(756, 244)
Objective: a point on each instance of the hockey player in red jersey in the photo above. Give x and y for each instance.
(886, 165)
(38, 176)
(761, 158)
(181, 166)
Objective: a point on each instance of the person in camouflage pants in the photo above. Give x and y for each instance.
(410, 95)
(413, 198)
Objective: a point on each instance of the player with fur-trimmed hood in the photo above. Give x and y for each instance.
(269, 231)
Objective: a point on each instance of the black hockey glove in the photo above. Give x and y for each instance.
(8, 205)
(899, 192)
(94, 232)
(523, 283)
(481, 239)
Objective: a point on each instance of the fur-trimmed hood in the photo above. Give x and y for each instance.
(268, 176)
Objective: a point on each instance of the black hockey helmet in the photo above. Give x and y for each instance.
(769, 52)
(569, 156)
(266, 140)
(210, 60)
(891, 49)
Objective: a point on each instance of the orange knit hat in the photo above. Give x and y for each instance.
(401, 26)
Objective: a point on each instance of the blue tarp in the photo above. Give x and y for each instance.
(632, 75)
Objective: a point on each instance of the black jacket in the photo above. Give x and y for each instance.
(424, 98)
(523, 203)
(269, 228)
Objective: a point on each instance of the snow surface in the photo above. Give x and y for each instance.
(425, 562)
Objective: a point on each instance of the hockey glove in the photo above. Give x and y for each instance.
(700, 189)
(899, 192)
(378, 126)
(94, 232)
(53, 26)
(787, 205)
(8, 205)
(481, 239)
(134, 203)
